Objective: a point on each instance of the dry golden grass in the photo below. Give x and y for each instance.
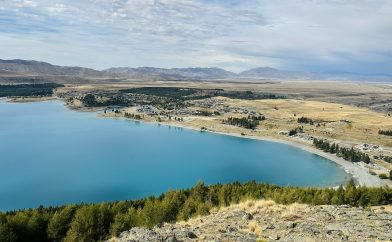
(261, 240)
(254, 228)
(384, 208)
(266, 206)
(361, 127)
(292, 210)
(329, 91)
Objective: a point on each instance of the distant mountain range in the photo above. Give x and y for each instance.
(268, 72)
(172, 74)
(43, 68)
(10, 69)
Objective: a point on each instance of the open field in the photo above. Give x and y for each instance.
(377, 96)
(341, 122)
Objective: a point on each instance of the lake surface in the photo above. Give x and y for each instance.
(50, 155)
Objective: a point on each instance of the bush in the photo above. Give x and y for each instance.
(244, 122)
(390, 175)
(383, 176)
(205, 113)
(295, 131)
(305, 120)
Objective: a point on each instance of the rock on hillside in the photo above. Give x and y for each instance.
(267, 221)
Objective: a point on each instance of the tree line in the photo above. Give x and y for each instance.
(132, 115)
(90, 100)
(205, 113)
(97, 222)
(178, 93)
(24, 90)
(242, 122)
(385, 132)
(249, 95)
(345, 153)
(256, 117)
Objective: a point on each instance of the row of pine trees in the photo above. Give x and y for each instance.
(348, 154)
(385, 132)
(242, 122)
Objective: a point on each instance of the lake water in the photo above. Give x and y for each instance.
(50, 155)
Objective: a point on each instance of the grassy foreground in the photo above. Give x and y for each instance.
(95, 222)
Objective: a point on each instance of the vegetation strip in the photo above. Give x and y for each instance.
(95, 222)
(345, 153)
(24, 90)
(242, 122)
(385, 132)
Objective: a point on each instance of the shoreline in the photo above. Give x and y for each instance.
(30, 99)
(357, 171)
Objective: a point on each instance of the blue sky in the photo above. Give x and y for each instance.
(308, 35)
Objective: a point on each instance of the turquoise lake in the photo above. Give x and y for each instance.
(50, 155)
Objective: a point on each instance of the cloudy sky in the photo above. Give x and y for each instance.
(308, 35)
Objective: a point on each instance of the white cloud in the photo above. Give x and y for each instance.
(294, 34)
(57, 8)
(24, 3)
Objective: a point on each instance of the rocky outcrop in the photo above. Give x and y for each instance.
(267, 221)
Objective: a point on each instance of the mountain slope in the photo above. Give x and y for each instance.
(23, 68)
(268, 72)
(174, 73)
(42, 68)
